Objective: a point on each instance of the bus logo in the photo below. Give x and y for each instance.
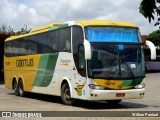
(24, 63)
(65, 62)
(108, 83)
(79, 89)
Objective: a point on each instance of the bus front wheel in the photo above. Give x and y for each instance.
(20, 88)
(66, 95)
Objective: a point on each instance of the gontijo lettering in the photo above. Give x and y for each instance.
(24, 62)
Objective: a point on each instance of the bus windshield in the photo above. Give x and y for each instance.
(116, 52)
(116, 61)
(112, 34)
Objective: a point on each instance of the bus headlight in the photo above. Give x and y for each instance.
(140, 86)
(96, 87)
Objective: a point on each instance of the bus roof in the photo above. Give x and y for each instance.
(69, 23)
(105, 23)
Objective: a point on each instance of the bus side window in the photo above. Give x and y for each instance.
(32, 45)
(77, 40)
(53, 40)
(42, 43)
(65, 39)
(81, 61)
(8, 48)
(22, 46)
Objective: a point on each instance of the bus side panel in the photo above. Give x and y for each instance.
(57, 67)
(24, 67)
(8, 77)
(66, 69)
(46, 71)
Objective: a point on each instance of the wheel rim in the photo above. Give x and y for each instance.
(67, 95)
(15, 87)
(20, 88)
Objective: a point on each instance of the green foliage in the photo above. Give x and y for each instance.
(8, 30)
(154, 37)
(150, 8)
(24, 30)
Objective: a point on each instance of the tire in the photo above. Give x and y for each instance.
(15, 87)
(66, 95)
(21, 88)
(113, 102)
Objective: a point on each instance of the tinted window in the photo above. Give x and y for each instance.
(81, 62)
(77, 40)
(32, 45)
(43, 43)
(53, 40)
(65, 39)
(8, 48)
(20, 46)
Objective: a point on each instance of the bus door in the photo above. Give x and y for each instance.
(81, 79)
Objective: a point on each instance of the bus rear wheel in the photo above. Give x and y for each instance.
(15, 87)
(113, 102)
(20, 88)
(66, 95)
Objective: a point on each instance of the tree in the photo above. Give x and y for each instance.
(154, 37)
(24, 30)
(8, 30)
(149, 8)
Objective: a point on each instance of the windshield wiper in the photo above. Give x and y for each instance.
(108, 76)
(127, 66)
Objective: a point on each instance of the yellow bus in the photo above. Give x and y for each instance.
(89, 60)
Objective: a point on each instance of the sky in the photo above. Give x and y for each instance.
(36, 13)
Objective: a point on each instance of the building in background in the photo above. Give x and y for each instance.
(144, 37)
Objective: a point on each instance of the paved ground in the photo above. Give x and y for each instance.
(34, 102)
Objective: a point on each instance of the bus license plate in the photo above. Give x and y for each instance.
(120, 94)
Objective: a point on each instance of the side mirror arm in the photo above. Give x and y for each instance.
(152, 49)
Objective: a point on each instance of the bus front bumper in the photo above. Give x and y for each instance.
(116, 94)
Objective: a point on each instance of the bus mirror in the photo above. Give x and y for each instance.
(87, 50)
(152, 49)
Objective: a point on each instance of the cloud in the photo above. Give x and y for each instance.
(34, 13)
